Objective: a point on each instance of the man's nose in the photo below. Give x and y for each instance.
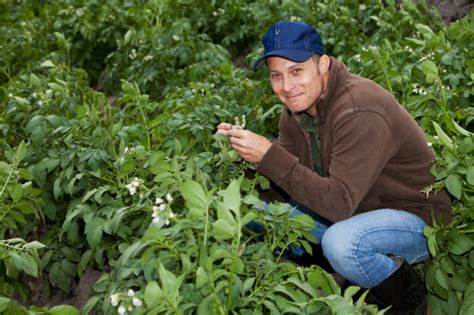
(288, 84)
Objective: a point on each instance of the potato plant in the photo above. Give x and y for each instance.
(109, 160)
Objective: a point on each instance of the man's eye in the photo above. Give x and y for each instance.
(296, 71)
(275, 76)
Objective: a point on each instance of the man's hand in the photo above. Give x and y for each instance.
(250, 146)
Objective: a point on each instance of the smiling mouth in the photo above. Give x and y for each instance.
(292, 96)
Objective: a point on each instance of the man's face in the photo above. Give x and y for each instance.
(297, 84)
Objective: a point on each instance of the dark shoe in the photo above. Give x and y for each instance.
(403, 290)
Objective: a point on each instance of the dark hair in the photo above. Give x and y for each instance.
(316, 58)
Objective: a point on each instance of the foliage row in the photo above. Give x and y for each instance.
(109, 162)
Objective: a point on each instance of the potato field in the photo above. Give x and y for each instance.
(117, 197)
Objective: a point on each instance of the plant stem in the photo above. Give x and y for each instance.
(234, 262)
(145, 122)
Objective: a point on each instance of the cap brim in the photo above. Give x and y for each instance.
(290, 54)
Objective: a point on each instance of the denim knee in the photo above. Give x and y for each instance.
(338, 244)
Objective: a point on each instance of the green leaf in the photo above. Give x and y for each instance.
(195, 198)
(201, 277)
(442, 278)
(167, 278)
(26, 263)
(4, 303)
(461, 130)
(350, 292)
(34, 81)
(442, 135)
(461, 244)
(454, 185)
(430, 70)
(128, 36)
(470, 175)
(90, 304)
(222, 230)
(232, 196)
(249, 216)
(224, 213)
(16, 192)
(47, 64)
(35, 245)
(20, 152)
(64, 310)
(206, 306)
(152, 294)
(93, 229)
(467, 304)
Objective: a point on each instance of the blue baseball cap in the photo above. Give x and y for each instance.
(296, 41)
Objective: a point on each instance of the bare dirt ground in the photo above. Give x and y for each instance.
(452, 10)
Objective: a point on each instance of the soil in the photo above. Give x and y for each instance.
(453, 10)
(80, 292)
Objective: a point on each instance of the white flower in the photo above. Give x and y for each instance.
(131, 292)
(148, 57)
(114, 299)
(172, 215)
(155, 208)
(158, 201)
(169, 198)
(429, 144)
(34, 95)
(40, 103)
(176, 37)
(156, 220)
(10, 95)
(133, 54)
(162, 207)
(131, 189)
(121, 310)
(167, 222)
(136, 182)
(136, 301)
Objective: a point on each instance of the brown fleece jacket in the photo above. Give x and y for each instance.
(374, 155)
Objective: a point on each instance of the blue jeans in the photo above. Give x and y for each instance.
(359, 248)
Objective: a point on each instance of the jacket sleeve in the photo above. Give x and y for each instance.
(363, 142)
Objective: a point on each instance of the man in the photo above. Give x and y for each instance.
(351, 154)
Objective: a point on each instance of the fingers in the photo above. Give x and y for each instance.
(224, 126)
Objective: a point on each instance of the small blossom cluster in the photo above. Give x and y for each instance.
(418, 90)
(429, 56)
(201, 92)
(158, 214)
(371, 47)
(430, 144)
(128, 150)
(133, 54)
(148, 57)
(132, 187)
(241, 122)
(409, 49)
(125, 302)
(219, 11)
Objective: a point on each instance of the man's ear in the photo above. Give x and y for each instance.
(324, 64)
